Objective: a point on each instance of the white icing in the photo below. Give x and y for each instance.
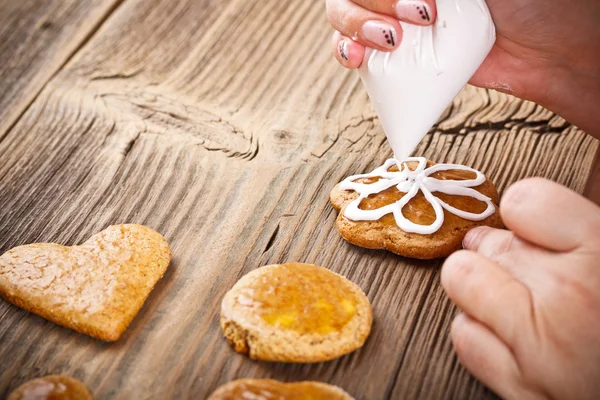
(411, 182)
(411, 87)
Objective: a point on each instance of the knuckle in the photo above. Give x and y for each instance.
(569, 287)
(499, 246)
(339, 15)
(330, 9)
(349, 17)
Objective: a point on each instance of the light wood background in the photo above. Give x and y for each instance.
(223, 125)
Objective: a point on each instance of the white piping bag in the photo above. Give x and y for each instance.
(411, 87)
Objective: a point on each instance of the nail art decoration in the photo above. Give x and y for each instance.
(413, 11)
(389, 36)
(380, 33)
(343, 49)
(423, 12)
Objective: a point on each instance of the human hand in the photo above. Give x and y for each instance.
(373, 23)
(547, 51)
(530, 297)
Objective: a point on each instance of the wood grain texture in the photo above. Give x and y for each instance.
(36, 39)
(224, 125)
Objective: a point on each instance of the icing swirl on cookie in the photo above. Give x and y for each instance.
(411, 182)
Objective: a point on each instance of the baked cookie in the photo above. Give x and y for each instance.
(52, 387)
(244, 389)
(96, 288)
(420, 210)
(295, 313)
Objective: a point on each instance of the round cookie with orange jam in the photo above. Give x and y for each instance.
(51, 387)
(269, 389)
(295, 313)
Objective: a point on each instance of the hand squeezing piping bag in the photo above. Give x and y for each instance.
(411, 87)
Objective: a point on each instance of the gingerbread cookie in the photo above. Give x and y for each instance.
(52, 387)
(244, 389)
(418, 209)
(96, 288)
(295, 313)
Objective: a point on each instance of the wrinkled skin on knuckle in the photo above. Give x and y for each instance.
(340, 15)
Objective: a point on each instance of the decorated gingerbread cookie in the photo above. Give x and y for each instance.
(295, 313)
(416, 208)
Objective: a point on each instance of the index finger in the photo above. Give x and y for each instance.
(489, 294)
(418, 12)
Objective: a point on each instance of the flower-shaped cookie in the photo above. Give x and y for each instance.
(420, 209)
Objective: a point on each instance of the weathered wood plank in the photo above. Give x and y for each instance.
(224, 124)
(36, 39)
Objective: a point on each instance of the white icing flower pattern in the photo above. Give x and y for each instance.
(411, 182)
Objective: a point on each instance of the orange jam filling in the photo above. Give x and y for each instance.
(51, 388)
(302, 298)
(269, 389)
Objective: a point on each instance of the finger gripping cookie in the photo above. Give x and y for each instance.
(295, 313)
(416, 209)
(245, 389)
(96, 288)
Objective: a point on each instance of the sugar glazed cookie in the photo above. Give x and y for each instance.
(422, 210)
(52, 387)
(244, 389)
(96, 288)
(295, 313)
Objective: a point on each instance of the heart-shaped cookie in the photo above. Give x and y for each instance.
(96, 288)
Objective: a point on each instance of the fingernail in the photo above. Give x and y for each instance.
(414, 11)
(380, 34)
(343, 49)
(471, 236)
(466, 241)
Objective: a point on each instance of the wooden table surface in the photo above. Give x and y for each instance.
(223, 124)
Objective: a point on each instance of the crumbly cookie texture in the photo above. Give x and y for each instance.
(96, 288)
(56, 387)
(385, 233)
(295, 313)
(271, 389)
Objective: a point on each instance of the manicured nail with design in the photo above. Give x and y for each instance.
(343, 49)
(414, 11)
(380, 33)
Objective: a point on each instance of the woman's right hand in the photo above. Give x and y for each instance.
(547, 51)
